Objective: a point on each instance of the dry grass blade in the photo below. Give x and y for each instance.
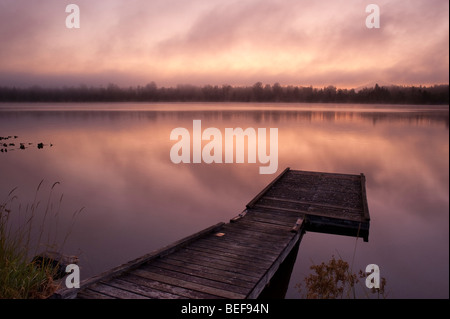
(21, 278)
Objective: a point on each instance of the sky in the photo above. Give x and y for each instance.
(200, 42)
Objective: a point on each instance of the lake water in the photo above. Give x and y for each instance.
(113, 161)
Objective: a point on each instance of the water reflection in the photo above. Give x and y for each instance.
(439, 117)
(116, 164)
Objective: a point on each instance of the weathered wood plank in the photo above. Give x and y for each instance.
(249, 229)
(242, 236)
(195, 279)
(90, 294)
(233, 251)
(254, 248)
(145, 291)
(104, 288)
(220, 277)
(270, 248)
(227, 257)
(222, 245)
(301, 173)
(263, 227)
(175, 290)
(187, 284)
(257, 197)
(277, 214)
(214, 264)
(247, 248)
(318, 204)
(347, 208)
(254, 216)
(225, 274)
(252, 232)
(304, 212)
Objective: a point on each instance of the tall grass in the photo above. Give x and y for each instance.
(22, 236)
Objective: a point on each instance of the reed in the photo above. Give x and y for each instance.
(22, 235)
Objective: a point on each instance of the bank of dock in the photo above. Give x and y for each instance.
(239, 259)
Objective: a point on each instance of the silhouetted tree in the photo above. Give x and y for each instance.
(258, 91)
(437, 94)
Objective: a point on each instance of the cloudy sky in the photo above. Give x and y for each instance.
(237, 42)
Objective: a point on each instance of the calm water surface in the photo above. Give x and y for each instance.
(113, 161)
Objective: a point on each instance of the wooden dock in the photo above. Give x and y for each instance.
(238, 259)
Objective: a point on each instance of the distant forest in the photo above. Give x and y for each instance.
(437, 94)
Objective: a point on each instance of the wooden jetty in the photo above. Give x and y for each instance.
(237, 260)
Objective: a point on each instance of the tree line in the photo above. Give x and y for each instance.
(437, 94)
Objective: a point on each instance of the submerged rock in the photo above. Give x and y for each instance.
(56, 261)
(5, 147)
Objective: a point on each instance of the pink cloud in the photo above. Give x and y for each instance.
(218, 42)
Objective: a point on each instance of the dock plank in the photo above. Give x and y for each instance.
(268, 219)
(254, 233)
(106, 289)
(224, 274)
(263, 227)
(218, 276)
(254, 248)
(187, 284)
(216, 264)
(91, 294)
(201, 280)
(256, 252)
(160, 286)
(242, 237)
(226, 259)
(142, 290)
(238, 254)
(276, 214)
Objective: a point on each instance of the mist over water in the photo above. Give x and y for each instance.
(113, 160)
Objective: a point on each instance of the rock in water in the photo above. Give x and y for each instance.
(55, 260)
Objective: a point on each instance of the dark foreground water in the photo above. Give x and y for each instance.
(113, 162)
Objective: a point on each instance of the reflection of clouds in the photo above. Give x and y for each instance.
(117, 165)
(133, 149)
(406, 159)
